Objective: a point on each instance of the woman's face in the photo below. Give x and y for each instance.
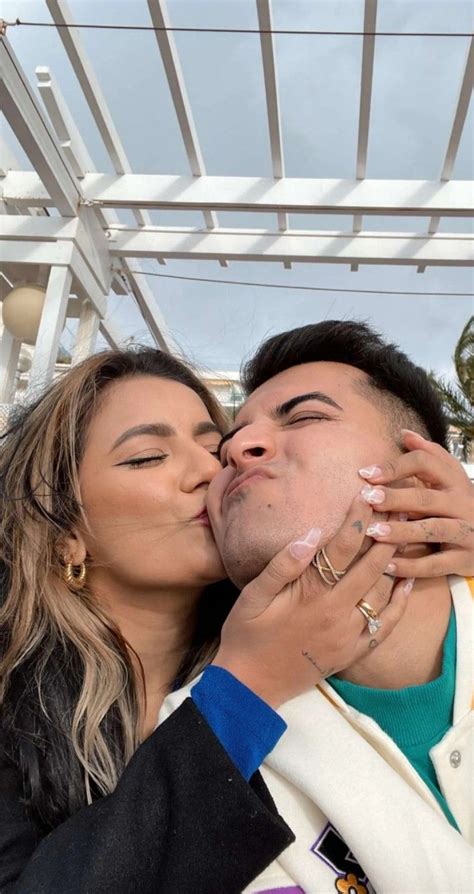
(148, 460)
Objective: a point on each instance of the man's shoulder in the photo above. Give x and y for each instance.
(462, 590)
(470, 583)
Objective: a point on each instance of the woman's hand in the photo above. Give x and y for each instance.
(441, 512)
(289, 629)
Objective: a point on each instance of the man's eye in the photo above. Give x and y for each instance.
(312, 416)
(143, 460)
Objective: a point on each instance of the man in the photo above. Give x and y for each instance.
(374, 774)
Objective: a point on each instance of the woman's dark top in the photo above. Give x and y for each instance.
(182, 820)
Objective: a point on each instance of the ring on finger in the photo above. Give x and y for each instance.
(370, 615)
(327, 572)
(337, 574)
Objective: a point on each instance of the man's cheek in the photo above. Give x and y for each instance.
(215, 495)
(333, 499)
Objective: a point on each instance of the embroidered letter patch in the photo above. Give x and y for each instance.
(332, 850)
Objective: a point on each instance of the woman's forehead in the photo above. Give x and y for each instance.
(146, 399)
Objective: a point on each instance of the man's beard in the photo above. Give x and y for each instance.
(253, 535)
(246, 551)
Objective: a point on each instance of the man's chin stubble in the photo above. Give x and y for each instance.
(244, 558)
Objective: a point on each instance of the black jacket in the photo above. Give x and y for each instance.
(182, 820)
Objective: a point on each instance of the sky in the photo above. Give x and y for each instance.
(415, 89)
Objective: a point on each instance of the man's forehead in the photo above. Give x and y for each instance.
(335, 379)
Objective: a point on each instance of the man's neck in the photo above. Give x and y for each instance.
(412, 654)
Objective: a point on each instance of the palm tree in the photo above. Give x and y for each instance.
(457, 396)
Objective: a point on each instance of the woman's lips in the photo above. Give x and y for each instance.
(202, 518)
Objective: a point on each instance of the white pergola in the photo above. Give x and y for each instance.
(59, 221)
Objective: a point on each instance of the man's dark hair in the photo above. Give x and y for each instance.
(404, 389)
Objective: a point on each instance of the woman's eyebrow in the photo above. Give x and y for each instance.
(163, 430)
(206, 428)
(148, 428)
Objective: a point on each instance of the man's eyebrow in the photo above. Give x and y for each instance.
(163, 430)
(288, 405)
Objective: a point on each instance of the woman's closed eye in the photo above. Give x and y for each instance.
(138, 461)
(212, 447)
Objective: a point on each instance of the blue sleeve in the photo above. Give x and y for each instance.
(245, 725)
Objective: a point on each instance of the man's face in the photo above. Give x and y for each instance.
(292, 462)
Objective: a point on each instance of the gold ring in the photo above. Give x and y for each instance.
(316, 561)
(327, 568)
(370, 615)
(337, 574)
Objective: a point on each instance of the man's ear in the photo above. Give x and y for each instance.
(72, 548)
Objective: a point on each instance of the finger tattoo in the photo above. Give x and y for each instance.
(430, 536)
(358, 526)
(324, 673)
(464, 530)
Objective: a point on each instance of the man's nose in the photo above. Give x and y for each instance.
(251, 445)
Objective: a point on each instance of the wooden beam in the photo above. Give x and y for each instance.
(174, 74)
(50, 329)
(419, 198)
(271, 94)
(27, 121)
(299, 246)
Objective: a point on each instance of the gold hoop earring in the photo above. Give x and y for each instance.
(73, 579)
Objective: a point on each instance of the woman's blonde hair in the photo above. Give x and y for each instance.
(69, 694)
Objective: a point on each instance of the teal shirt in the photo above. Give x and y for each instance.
(417, 717)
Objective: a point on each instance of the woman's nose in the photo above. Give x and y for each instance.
(209, 466)
(199, 468)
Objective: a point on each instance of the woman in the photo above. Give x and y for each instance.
(110, 601)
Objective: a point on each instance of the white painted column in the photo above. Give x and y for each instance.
(50, 329)
(9, 356)
(86, 333)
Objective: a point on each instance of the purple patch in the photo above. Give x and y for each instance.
(291, 890)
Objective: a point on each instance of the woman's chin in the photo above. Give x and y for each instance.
(210, 562)
(216, 570)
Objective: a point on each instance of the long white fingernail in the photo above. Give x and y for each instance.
(378, 529)
(303, 547)
(370, 472)
(409, 431)
(408, 587)
(372, 494)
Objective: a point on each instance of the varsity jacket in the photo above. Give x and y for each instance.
(364, 820)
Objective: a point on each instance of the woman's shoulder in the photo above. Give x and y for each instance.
(11, 777)
(20, 834)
